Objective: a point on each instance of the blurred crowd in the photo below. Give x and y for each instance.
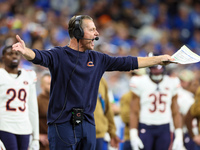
(126, 27)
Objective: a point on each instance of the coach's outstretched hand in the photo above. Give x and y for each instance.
(20, 46)
(166, 59)
(154, 60)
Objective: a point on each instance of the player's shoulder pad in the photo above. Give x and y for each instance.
(135, 81)
(137, 78)
(32, 74)
(174, 80)
(1, 71)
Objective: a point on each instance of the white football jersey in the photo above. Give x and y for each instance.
(18, 103)
(155, 99)
(185, 100)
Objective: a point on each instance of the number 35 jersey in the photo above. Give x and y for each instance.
(155, 99)
(17, 101)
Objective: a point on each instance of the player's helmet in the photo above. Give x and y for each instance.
(156, 72)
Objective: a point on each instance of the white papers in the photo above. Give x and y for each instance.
(185, 56)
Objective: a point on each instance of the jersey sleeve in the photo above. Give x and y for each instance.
(33, 106)
(176, 84)
(184, 107)
(134, 85)
(33, 76)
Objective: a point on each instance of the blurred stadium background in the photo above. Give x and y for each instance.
(126, 27)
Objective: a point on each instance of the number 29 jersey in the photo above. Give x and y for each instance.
(155, 99)
(17, 101)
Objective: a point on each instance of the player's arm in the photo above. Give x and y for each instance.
(155, 60)
(135, 141)
(175, 113)
(188, 121)
(20, 46)
(178, 141)
(134, 111)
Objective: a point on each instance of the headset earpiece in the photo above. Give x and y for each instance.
(78, 31)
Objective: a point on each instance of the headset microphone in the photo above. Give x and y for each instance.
(96, 39)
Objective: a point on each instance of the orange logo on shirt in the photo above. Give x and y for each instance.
(90, 64)
(25, 82)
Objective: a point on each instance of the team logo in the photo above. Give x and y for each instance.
(133, 85)
(143, 130)
(166, 88)
(78, 114)
(25, 82)
(90, 64)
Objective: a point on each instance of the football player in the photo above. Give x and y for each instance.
(18, 104)
(154, 101)
(186, 93)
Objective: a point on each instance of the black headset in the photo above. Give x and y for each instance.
(78, 31)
